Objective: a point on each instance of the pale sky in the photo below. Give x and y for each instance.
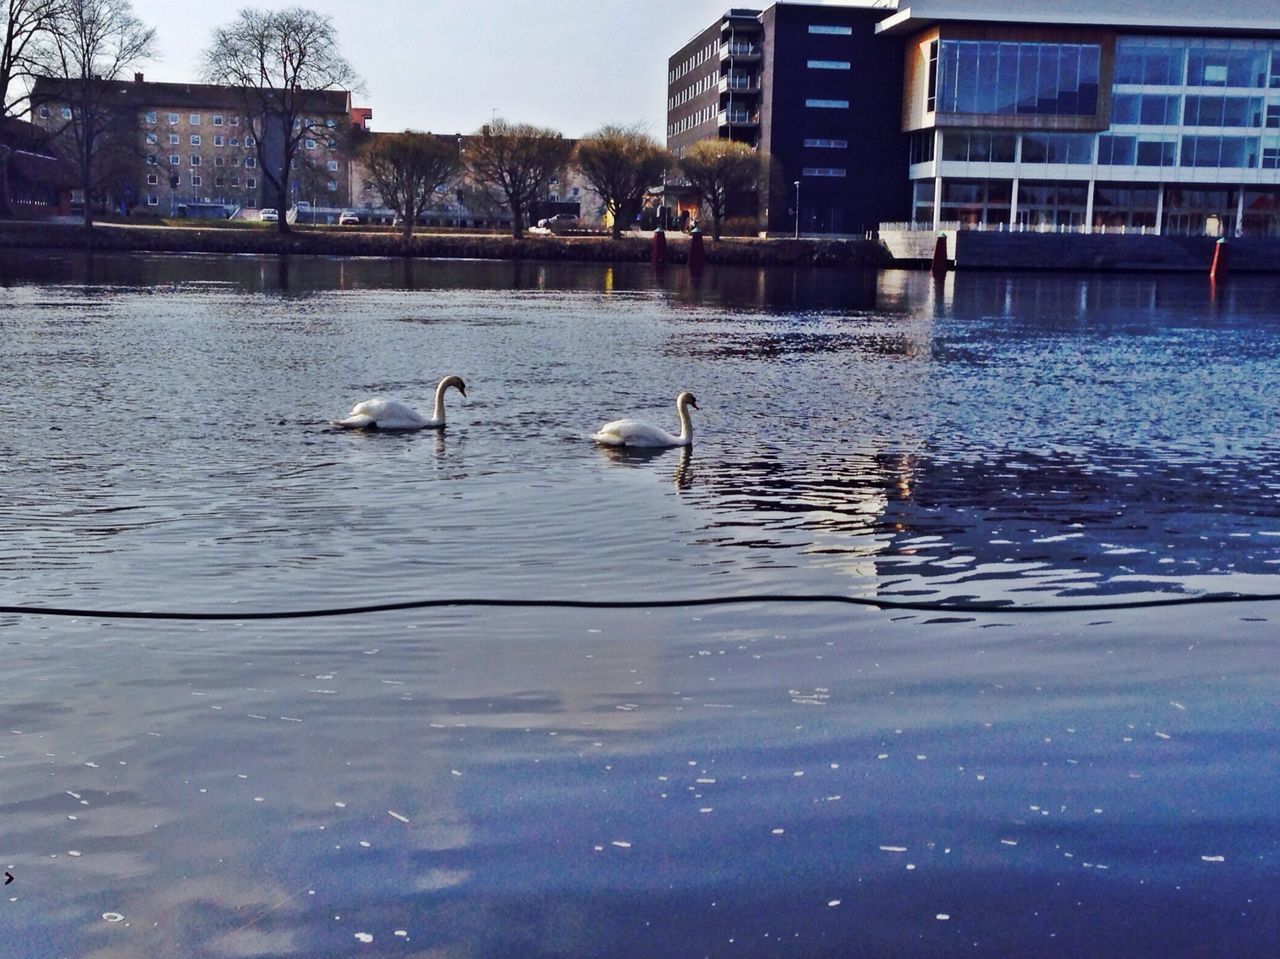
(447, 65)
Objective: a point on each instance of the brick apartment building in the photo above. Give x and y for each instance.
(183, 148)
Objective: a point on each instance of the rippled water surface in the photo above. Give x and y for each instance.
(752, 780)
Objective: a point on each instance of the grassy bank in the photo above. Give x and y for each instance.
(352, 242)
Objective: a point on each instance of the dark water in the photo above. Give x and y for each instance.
(740, 781)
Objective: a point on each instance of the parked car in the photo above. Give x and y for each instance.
(561, 221)
(268, 215)
(348, 218)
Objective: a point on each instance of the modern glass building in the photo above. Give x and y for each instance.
(933, 114)
(1160, 127)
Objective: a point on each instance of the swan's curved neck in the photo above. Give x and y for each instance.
(686, 425)
(438, 414)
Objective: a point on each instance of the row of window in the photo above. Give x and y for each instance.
(691, 91)
(1112, 149)
(692, 63)
(249, 162)
(830, 65)
(1161, 109)
(218, 140)
(1007, 79)
(823, 171)
(250, 183)
(1167, 61)
(694, 119)
(218, 119)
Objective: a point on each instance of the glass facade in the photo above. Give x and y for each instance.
(1010, 79)
(1192, 145)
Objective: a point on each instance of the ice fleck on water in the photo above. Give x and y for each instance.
(73, 852)
(893, 848)
(621, 844)
(833, 902)
(364, 937)
(395, 815)
(113, 917)
(341, 805)
(1214, 858)
(942, 916)
(778, 832)
(1008, 842)
(455, 772)
(402, 933)
(1163, 735)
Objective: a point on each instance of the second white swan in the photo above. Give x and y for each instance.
(636, 433)
(380, 413)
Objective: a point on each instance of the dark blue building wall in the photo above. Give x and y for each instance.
(875, 187)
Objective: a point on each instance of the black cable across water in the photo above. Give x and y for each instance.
(934, 606)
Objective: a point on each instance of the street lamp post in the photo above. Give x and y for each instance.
(797, 209)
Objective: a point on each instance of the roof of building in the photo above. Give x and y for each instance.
(1180, 16)
(145, 93)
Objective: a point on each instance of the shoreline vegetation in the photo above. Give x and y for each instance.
(321, 241)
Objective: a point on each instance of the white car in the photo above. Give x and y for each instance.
(269, 215)
(348, 218)
(561, 221)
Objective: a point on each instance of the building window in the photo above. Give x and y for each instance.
(1224, 112)
(932, 103)
(823, 171)
(250, 183)
(1039, 79)
(195, 179)
(1159, 153)
(249, 140)
(151, 116)
(332, 166)
(311, 144)
(173, 119)
(44, 113)
(174, 159)
(151, 159)
(194, 119)
(250, 202)
(152, 179)
(152, 200)
(1117, 150)
(195, 159)
(921, 147)
(830, 65)
(978, 146)
(234, 121)
(1231, 152)
(195, 139)
(1054, 148)
(66, 113)
(1271, 158)
(1148, 109)
(152, 138)
(820, 144)
(218, 161)
(219, 140)
(1232, 65)
(234, 141)
(832, 30)
(332, 186)
(174, 139)
(217, 181)
(828, 104)
(217, 120)
(1273, 111)
(1159, 64)
(250, 162)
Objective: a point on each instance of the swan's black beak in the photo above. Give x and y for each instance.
(462, 388)
(693, 404)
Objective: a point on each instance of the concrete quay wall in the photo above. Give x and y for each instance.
(979, 250)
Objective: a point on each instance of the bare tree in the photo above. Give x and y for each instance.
(407, 169)
(516, 163)
(282, 62)
(28, 31)
(94, 43)
(720, 170)
(621, 164)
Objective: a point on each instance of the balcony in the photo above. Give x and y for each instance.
(739, 83)
(738, 51)
(739, 118)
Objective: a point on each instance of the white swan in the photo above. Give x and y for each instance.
(380, 413)
(639, 434)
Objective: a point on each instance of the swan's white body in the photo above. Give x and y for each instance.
(639, 434)
(380, 413)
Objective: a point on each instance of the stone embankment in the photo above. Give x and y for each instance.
(113, 237)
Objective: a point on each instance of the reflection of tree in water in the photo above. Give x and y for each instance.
(1059, 523)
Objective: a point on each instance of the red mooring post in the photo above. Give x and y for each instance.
(697, 255)
(658, 252)
(939, 268)
(1218, 271)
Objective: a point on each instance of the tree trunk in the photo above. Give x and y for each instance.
(715, 225)
(517, 221)
(406, 225)
(282, 203)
